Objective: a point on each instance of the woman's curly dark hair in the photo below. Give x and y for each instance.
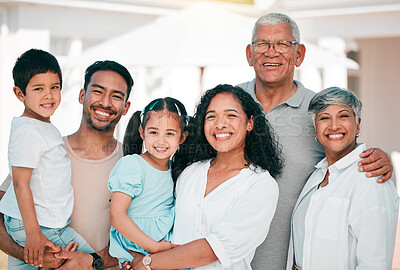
(261, 148)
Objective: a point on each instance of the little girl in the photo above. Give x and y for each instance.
(142, 203)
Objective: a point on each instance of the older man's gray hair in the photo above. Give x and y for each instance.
(277, 18)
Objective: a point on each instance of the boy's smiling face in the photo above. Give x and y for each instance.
(42, 96)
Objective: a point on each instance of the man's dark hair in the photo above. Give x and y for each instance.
(108, 65)
(32, 62)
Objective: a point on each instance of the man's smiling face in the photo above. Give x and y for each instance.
(104, 101)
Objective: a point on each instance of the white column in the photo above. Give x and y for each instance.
(335, 71)
(5, 82)
(76, 47)
(310, 77)
(68, 115)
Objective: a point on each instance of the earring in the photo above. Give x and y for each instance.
(315, 138)
(357, 135)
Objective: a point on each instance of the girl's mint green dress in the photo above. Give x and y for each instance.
(152, 205)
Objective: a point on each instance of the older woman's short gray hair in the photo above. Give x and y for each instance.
(274, 19)
(334, 96)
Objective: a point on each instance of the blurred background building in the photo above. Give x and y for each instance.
(180, 48)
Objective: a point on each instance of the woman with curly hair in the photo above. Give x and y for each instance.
(225, 194)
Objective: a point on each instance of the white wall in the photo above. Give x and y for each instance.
(380, 92)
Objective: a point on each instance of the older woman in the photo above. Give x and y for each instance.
(342, 219)
(226, 197)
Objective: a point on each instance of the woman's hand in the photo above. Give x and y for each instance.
(136, 263)
(35, 245)
(375, 163)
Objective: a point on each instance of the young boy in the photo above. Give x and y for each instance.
(40, 199)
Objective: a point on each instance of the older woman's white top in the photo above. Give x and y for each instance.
(234, 218)
(348, 224)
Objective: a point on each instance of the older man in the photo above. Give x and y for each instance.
(274, 53)
(93, 152)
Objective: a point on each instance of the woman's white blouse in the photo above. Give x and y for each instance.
(234, 218)
(350, 223)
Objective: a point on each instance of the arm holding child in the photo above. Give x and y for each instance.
(126, 226)
(35, 240)
(11, 248)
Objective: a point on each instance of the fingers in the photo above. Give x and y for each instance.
(126, 265)
(40, 257)
(378, 168)
(376, 160)
(385, 177)
(370, 167)
(368, 160)
(69, 246)
(26, 255)
(40, 252)
(72, 246)
(63, 254)
(50, 261)
(367, 153)
(51, 250)
(32, 257)
(75, 247)
(378, 172)
(56, 249)
(377, 157)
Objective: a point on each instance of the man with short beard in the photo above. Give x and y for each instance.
(93, 151)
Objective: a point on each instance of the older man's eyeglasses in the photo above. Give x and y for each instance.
(281, 46)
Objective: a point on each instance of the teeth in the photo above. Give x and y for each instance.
(222, 135)
(102, 113)
(335, 136)
(161, 149)
(47, 105)
(270, 64)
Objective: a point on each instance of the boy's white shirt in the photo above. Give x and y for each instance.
(39, 145)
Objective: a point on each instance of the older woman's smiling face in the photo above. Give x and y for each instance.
(336, 128)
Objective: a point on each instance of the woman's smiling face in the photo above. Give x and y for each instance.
(226, 124)
(336, 128)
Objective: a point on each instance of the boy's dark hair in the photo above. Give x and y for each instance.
(32, 62)
(108, 65)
